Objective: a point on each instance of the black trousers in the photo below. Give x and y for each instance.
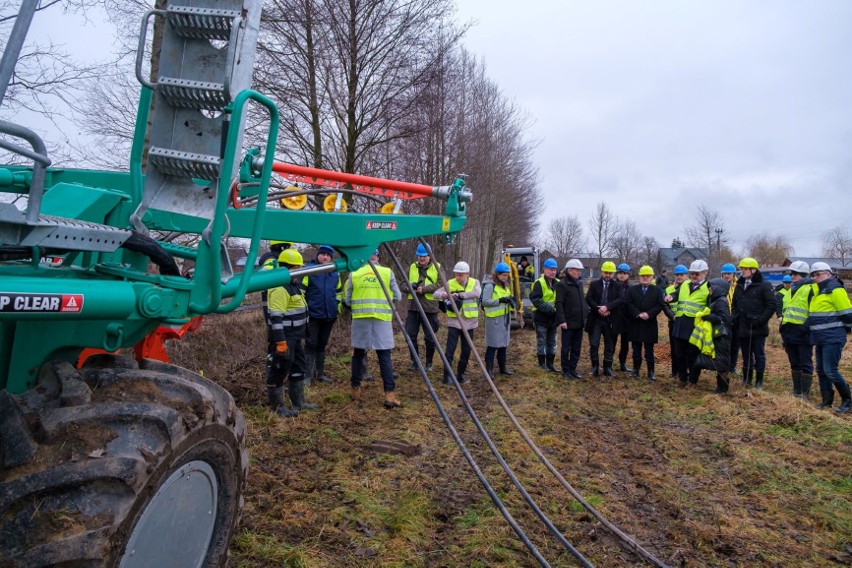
(754, 353)
(569, 355)
(385, 367)
(684, 356)
(413, 323)
(638, 347)
(319, 330)
(454, 336)
(601, 328)
(624, 348)
(290, 364)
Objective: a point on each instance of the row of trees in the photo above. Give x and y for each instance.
(377, 87)
(612, 237)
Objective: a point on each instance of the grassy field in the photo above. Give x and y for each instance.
(754, 478)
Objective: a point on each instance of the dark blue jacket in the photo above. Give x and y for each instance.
(321, 293)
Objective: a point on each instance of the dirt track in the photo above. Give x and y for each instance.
(749, 479)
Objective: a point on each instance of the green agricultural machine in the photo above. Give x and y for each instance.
(113, 460)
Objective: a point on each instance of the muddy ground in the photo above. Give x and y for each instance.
(753, 478)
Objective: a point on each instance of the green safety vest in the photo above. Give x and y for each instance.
(368, 297)
(702, 333)
(500, 309)
(468, 305)
(826, 311)
(796, 309)
(785, 298)
(689, 304)
(431, 278)
(547, 294)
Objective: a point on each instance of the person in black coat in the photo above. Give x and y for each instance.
(644, 302)
(603, 299)
(720, 317)
(571, 310)
(753, 306)
(621, 318)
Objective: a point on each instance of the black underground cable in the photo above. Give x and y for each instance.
(635, 547)
(484, 434)
(460, 443)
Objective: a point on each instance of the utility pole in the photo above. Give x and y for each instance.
(719, 243)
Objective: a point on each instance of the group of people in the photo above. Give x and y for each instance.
(711, 322)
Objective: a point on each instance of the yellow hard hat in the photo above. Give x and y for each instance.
(646, 271)
(285, 243)
(608, 266)
(749, 262)
(291, 257)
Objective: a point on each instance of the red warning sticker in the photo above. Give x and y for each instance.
(29, 303)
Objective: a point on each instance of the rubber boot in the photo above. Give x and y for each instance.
(447, 380)
(634, 372)
(651, 375)
(275, 398)
(748, 375)
(758, 381)
(550, 366)
(296, 390)
(391, 401)
(607, 370)
(320, 371)
(541, 363)
(596, 369)
(797, 383)
(310, 368)
(721, 383)
(845, 399)
(806, 381)
(827, 397)
(501, 361)
(460, 373)
(414, 356)
(430, 354)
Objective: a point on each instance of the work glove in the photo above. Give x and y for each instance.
(513, 303)
(505, 300)
(281, 348)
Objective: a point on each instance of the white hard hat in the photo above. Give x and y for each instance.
(574, 263)
(461, 267)
(698, 266)
(800, 266)
(817, 266)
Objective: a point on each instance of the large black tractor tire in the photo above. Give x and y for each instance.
(119, 464)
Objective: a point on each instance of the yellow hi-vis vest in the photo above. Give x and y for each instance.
(547, 293)
(785, 298)
(287, 305)
(468, 305)
(702, 334)
(731, 293)
(671, 290)
(431, 278)
(500, 309)
(368, 296)
(690, 303)
(796, 311)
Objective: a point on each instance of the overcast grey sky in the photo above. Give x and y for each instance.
(659, 106)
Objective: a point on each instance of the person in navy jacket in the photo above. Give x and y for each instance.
(322, 293)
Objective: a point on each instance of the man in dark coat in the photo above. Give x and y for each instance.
(753, 306)
(571, 312)
(644, 303)
(603, 299)
(621, 318)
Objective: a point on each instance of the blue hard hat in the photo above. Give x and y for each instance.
(501, 267)
(681, 269)
(728, 268)
(376, 252)
(624, 267)
(421, 250)
(787, 278)
(327, 249)
(550, 263)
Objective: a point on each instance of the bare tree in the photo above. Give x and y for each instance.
(837, 244)
(626, 242)
(649, 251)
(708, 231)
(768, 250)
(601, 228)
(564, 237)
